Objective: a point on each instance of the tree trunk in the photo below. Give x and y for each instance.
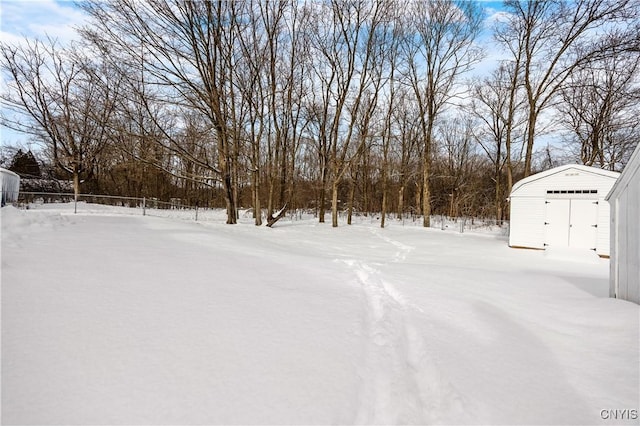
(528, 158)
(257, 209)
(334, 204)
(384, 202)
(270, 201)
(229, 199)
(498, 198)
(323, 199)
(352, 194)
(227, 187)
(76, 182)
(271, 220)
(426, 204)
(418, 199)
(401, 201)
(365, 187)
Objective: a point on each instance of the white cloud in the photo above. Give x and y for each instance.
(39, 19)
(30, 19)
(493, 16)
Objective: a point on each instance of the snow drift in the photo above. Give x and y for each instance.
(117, 319)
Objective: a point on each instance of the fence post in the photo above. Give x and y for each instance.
(75, 203)
(461, 226)
(144, 206)
(196, 212)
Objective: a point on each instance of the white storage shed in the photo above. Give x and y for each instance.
(562, 207)
(624, 199)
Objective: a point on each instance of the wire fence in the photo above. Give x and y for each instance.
(90, 203)
(440, 222)
(470, 224)
(175, 208)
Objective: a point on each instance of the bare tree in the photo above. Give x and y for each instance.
(600, 108)
(273, 17)
(438, 49)
(551, 39)
(406, 146)
(64, 100)
(294, 90)
(282, 51)
(188, 51)
(345, 40)
(497, 106)
(455, 160)
(391, 46)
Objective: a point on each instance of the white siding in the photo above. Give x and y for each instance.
(633, 241)
(528, 199)
(625, 233)
(526, 224)
(604, 217)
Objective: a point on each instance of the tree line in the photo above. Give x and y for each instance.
(338, 105)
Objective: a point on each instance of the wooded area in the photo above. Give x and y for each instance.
(349, 105)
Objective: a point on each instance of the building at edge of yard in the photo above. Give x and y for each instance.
(624, 198)
(10, 183)
(563, 207)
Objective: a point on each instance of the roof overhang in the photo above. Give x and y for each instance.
(562, 169)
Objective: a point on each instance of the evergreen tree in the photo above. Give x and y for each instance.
(25, 165)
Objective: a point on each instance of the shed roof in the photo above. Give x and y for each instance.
(561, 169)
(9, 172)
(627, 174)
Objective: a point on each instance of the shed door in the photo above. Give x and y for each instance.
(556, 223)
(582, 224)
(571, 223)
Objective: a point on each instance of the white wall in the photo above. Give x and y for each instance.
(526, 223)
(625, 233)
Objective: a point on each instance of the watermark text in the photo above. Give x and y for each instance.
(617, 414)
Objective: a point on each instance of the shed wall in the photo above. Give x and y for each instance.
(633, 244)
(526, 226)
(625, 231)
(604, 218)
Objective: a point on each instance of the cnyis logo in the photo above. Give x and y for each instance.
(626, 414)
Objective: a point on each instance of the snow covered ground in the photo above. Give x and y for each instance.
(109, 318)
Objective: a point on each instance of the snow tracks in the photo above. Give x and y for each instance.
(400, 380)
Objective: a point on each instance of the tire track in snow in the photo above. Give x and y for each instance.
(386, 393)
(403, 249)
(400, 380)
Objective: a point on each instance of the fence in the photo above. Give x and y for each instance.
(441, 222)
(90, 203)
(470, 224)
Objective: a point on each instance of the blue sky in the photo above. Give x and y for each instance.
(35, 18)
(20, 19)
(57, 19)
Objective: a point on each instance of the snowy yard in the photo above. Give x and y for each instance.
(121, 319)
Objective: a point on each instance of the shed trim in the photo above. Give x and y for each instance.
(561, 169)
(625, 178)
